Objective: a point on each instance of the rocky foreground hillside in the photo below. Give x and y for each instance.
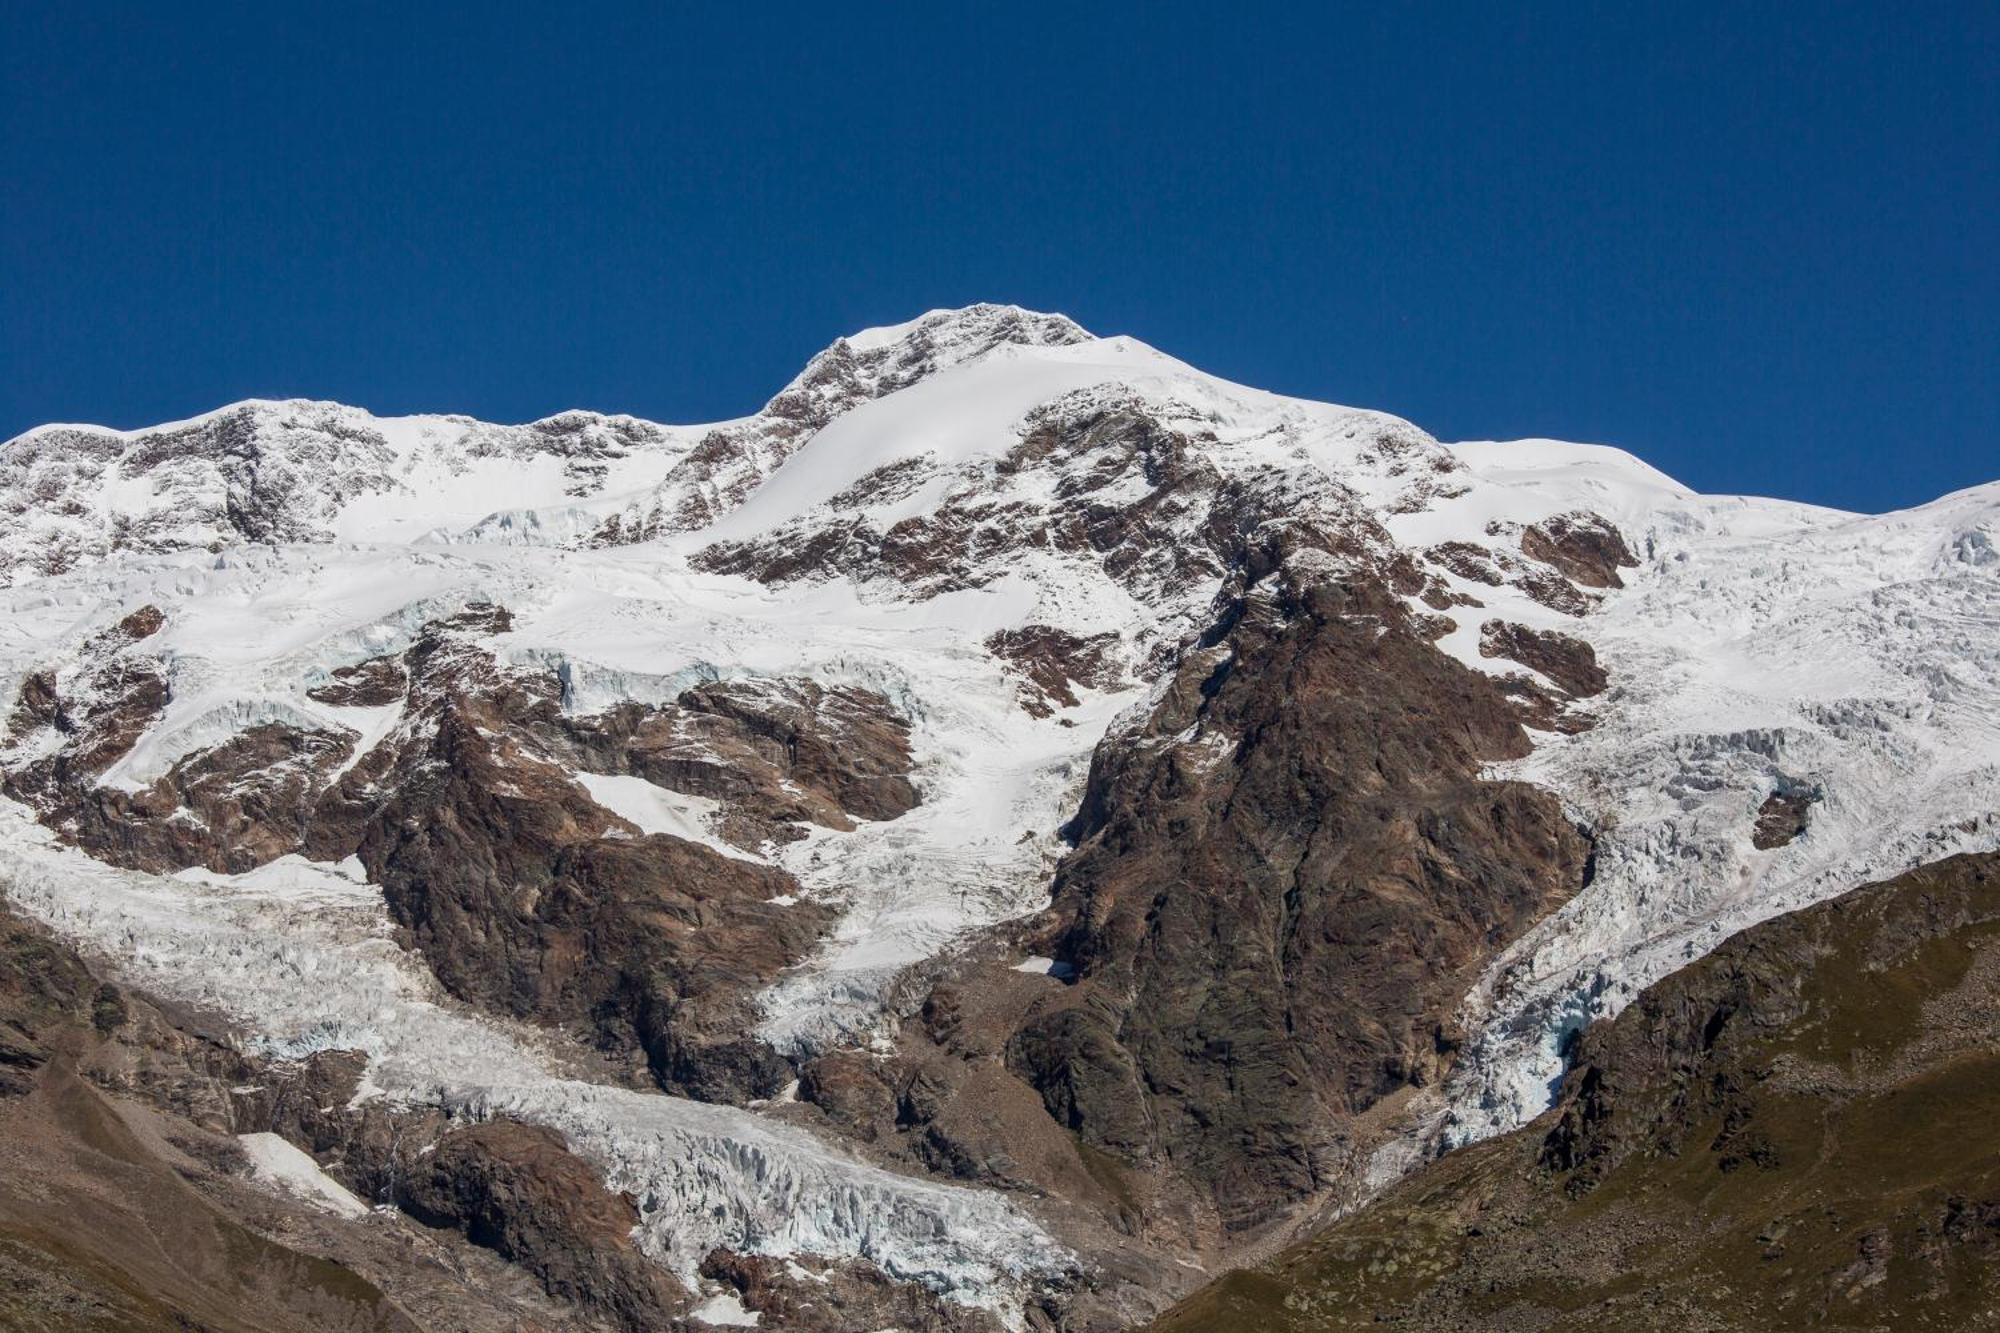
(1005, 834)
(1793, 1132)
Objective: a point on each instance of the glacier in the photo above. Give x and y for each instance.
(1758, 644)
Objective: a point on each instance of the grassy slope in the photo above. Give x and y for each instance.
(98, 1227)
(1802, 1130)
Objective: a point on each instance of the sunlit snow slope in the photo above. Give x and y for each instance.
(1758, 647)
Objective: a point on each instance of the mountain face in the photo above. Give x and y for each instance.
(1011, 830)
(1788, 1133)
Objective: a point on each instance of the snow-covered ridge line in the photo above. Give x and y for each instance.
(1036, 484)
(292, 470)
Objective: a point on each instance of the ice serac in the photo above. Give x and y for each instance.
(695, 793)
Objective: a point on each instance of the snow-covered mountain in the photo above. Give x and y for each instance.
(823, 766)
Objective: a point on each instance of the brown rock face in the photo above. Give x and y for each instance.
(1282, 884)
(844, 745)
(94, 718)
(526, 896)
(776, 753)
(1584, 546)
(818, 1297)
(1569, 662)
(1270, 922)
(522, 892)
(1162, 536)
(1781, 819)
(1051, 661)
(120, 1206)
(1560, 558)
(369, 684)
(231, 807)
(100, 1228)
(1468, 560)
(517, 1190)
(1788, 1133)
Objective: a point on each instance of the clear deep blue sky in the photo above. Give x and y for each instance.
(1756, 244)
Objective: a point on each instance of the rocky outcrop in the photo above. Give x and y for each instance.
(517, 1190)
(1564, 562)
(1787, 1133)
(1052, 662)
(777, 754)
(524, 894)
(1283, 882)
(819, 1297)
(1568, 671)
(1097, 480)
(230, 806)
(123, 1198)
(69, 727)
(1585, 547)
(527, 897)
(1284, 878)
(371, 684)
(1570, 662)
(1782, 818)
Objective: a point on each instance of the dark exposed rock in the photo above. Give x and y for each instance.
(851, 1088)
(844, 742)
(1164, 534)
(1787, 1133)
(521, 891)
(156, 1253)
(776, 753)
(1324, 834)
(838, 1298)
(1282, 883)
(517, 1189)
(1584, 546)
(1586, 543)
(369, 684)
(1544, 709)
(1781, 819)
(1051, 660)
(98, 715)
(1468, 560)
(231, 807)
(98, 1227)
(1553, 591)
(526, 896)
(1568, 661)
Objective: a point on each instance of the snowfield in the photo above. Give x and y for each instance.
(1759, 646)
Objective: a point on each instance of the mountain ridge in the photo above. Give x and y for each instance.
(816, 817)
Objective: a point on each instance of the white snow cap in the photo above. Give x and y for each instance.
(1756, 644)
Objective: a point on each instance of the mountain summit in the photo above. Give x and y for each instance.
(1009, 830)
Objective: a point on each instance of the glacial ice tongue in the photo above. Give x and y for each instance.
(301, 955)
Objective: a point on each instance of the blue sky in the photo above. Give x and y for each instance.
(1756, 244)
